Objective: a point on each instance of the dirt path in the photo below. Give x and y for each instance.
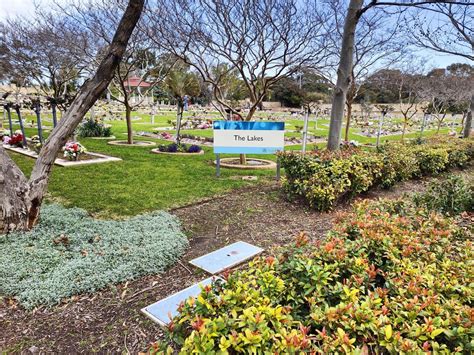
(110, 320)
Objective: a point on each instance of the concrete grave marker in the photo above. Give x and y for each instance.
(226, 257)
(160, 311)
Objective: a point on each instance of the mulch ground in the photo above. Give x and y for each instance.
(110, 321)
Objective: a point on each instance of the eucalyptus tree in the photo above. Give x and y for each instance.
(378, 44)
(21, 197)
(356, 9)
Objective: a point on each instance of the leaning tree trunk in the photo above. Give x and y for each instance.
(20, 199)
(343, 74)
(468, 123)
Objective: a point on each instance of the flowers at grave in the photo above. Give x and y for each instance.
(194, 149)
(351, 143)
(165, 135)
(36, 143)
(72, 150)
(16, 139)
(204, 125)
(179, 148)
(5, 133)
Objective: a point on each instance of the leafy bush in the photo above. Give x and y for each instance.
(323, 178)
(69, 253)
(432, 161)
(94, 128)
(451, 196)
(389, 278)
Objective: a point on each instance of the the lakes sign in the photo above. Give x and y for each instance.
(248, 137)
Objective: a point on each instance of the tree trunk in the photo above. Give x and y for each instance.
(38, 122)
(404, 128)
(20, 199)
(128, 119)
(348, 119)
(468, 123)
(343, 74)
(179, 119)
(55, 118)
(13, 195)
(22, 127)
(9, 114)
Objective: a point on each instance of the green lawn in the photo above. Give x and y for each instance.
(144, 181)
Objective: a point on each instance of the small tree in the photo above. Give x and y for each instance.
(20, 197)
(44, 51)
(180, 83)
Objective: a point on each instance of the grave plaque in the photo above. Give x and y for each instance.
(161, 311)
(226, 257)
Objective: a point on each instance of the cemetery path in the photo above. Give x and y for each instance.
(110, 320)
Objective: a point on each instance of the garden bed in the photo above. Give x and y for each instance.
(69, 253)
(109, 320)
(84, 159)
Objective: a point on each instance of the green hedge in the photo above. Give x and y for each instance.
(389, 278)
(323, 178)
(70, 253)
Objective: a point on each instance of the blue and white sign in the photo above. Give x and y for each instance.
(248, 137)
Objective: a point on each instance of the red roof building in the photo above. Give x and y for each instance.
(135, 82)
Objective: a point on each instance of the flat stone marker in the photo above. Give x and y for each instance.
(160, 311)
(226, 257)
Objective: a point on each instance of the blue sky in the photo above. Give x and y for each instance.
(15, 7)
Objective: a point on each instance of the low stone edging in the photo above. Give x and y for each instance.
(157, 151)
(270, 164)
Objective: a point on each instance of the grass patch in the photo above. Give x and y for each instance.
(144, 182)
(69, 253)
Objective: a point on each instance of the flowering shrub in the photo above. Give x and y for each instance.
(166, 135)
(36, 143)
(72, 150)
(390, 278)
(179, 148)
(15, 140)
(323, 178)
(194, 149)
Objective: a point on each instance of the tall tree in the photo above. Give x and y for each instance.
(20, 197)
(446, 27)
(356, 10)
(264, 41)
(378, 44)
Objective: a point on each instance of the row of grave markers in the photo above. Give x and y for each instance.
(214, 263)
